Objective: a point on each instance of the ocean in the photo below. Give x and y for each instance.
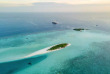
(22, 34)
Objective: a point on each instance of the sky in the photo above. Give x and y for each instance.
(54, 5)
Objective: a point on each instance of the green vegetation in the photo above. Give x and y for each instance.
(80, 29)
(63, 45)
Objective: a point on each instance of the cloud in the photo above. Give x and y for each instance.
(57, 7)
(54, 4)
(45, 3)
(11, 4)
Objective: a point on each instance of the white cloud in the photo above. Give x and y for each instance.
(57, 7)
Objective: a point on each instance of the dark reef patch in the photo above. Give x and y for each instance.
(14, 66)
(89, 63)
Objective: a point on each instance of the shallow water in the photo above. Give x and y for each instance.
(88, 53)
(83, 44)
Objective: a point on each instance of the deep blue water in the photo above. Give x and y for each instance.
(24, 33)
(24, 23)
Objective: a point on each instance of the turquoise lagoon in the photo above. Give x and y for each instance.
(85, 51)
(88, 53)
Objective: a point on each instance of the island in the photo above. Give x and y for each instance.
(54, 22)
(80, 29)
(96, 25)
(59, 46)
(48, 49)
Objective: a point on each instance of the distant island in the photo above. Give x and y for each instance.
(54, 23)
(59, 46)
(80, 29)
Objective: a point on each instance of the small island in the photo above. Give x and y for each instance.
(54, 22)
(48, 49)
(59, 46)
(80, 29)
